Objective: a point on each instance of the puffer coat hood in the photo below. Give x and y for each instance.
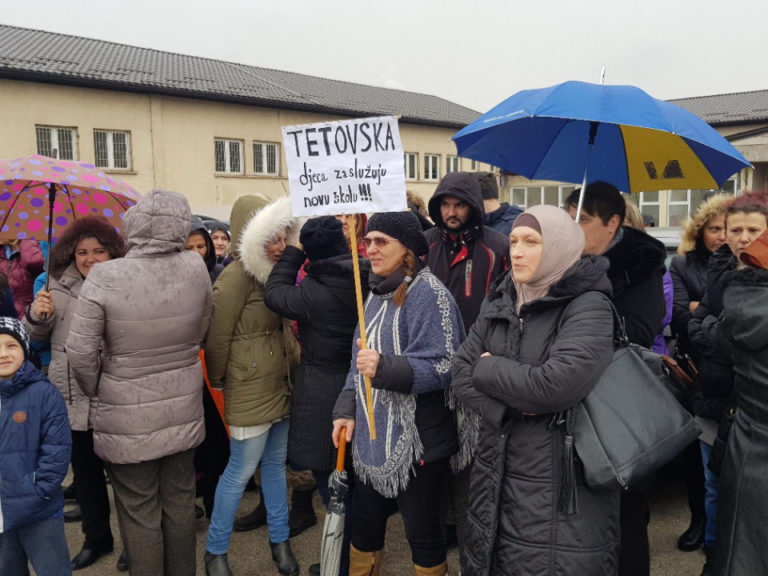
(263, 226)
(158, 224)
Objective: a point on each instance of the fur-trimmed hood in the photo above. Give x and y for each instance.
(262, 227)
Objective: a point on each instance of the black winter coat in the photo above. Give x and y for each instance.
(637, 277)
(325, 307)
(714, 353)
(689, 278)
(468, 261)
(543, 361)
(742, 538)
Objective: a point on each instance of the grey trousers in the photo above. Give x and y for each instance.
(155, 503)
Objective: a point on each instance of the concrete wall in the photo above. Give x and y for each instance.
(172, 139)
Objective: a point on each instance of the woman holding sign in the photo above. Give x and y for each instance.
(413, 327)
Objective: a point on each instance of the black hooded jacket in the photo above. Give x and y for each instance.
(467, 261)
(214, 268)
(636, 275)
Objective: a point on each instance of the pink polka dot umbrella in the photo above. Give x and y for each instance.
(40, 196)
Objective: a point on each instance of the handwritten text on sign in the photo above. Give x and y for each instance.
(345, 167)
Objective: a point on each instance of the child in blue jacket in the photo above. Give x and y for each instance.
(35, 447)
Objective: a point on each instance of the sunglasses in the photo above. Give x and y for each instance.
(378, 241)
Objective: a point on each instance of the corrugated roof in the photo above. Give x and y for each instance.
(736, 108)
(41, 56)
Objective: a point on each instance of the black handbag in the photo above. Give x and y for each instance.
(630, 424)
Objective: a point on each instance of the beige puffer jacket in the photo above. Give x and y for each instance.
(64, 293)
(250, 350)
(151, 309)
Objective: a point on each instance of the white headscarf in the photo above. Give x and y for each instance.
(562, 245)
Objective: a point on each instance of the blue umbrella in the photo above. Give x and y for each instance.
(576, 131)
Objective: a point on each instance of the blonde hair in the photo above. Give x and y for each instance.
(693, 227)
(633, 217)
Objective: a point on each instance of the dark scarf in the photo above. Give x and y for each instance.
(381, 285)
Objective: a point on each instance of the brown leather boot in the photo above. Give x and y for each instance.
(439, 570)
(364, 563)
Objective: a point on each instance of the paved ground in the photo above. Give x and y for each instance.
(249, 552)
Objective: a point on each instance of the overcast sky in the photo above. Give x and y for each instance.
(472, 52)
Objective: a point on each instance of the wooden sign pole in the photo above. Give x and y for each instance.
(351, 220)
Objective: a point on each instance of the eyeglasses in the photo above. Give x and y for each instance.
(378, 241)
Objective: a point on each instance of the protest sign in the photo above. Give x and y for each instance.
(345, 167)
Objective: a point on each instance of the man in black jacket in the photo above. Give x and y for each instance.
(466, 256)
(636, 272)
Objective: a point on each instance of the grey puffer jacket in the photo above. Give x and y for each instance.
(543, 361)
(151, 309)
(64, 292)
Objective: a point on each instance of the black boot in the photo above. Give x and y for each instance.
(302, 514)
(693, 538)
(256, 518)
(89, 554)
(216, 564)
(284, 558)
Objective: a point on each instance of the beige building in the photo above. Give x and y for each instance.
(206, 128)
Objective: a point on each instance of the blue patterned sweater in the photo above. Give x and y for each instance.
(426, 330)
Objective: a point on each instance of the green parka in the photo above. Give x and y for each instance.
(249, 349)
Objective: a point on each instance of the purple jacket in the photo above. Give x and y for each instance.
(659, 343)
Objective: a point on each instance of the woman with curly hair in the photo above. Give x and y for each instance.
(703, 235)
(84, 243)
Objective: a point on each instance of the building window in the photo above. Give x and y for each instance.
(473, 165)
(452, 164)
(229, 156)
(411, 166)
(533, 195)
(650, 206)
(266, 158)
(112, 149)
(431, 167)
(56, 142)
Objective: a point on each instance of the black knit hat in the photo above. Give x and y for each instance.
(403, 226)
(15, 329)
(323, 237)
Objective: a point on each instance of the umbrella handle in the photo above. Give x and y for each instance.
(342, 449)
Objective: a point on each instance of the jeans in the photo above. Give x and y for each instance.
(271, 449)
(712, 487)
(41, 543)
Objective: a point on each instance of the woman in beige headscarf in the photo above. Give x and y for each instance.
(541, 342)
